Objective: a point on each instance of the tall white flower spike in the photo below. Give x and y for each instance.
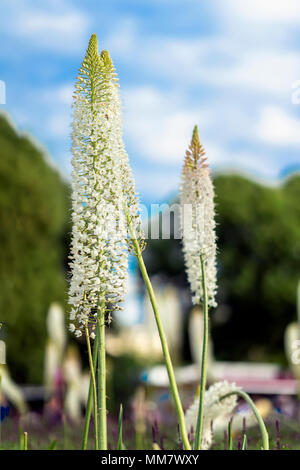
(198, 221)
(215, 411)
(102, 192)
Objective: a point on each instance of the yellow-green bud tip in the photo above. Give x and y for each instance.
(195, 137)
(196, 151)
(93, 43)
(106, 57)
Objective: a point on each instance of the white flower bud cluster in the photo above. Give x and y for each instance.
(198, 221)
(100, 178)
(215, 412)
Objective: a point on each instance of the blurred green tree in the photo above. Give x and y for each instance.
(258, 229)
(259, 243)
(33, 226)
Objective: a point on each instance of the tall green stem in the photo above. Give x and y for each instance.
(88, 411)
(120, 429)
(199, 427)
(102, 415)
(0, 403)
(263, 429)
(25, 442)
(163, 340)
(93, 379)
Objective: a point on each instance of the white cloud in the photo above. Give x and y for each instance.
(54, 26)
(276, 127)
(220, 60)
(50, 24)
(266, 70)
(158, 124)
(262, 70)
(56, 104)
(266, 11)
(121, 39)
(157, 186)
(60, 95)
(59, 125)
(65, 93)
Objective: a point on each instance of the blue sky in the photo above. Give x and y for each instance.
(227, 65)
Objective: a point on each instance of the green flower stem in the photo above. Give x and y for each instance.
(25, 441)
(93, 380)
(230, 442)
(199, 427)
(163, 340)
(120, 429)
(88, 411)
(102, 415)
(263, 429)
(0, 403)
(244, 442)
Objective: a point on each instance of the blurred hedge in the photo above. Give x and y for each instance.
(258, 229)
(33, 221)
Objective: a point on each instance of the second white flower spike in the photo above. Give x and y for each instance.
(198, 221)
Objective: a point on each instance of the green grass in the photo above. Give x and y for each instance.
(41, 436)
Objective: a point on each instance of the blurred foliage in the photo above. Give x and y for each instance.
(33, 227)
(123, 378)
(258, 229)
